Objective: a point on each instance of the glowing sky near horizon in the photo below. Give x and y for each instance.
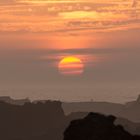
(35, 35)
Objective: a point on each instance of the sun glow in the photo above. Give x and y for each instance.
(71, 66)
(79, 14)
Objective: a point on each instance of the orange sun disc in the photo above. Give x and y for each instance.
(71, 66)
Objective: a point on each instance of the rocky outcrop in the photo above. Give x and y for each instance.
(40, 121)
(97, 127)
(9, 100)
(130, 110)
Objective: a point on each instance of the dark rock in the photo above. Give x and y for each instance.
(97, 127)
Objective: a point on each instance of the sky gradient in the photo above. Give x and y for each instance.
(36, 35)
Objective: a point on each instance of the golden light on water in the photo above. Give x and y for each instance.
(71, 66)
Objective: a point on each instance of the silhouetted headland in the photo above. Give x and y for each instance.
(97, 127)
(32, 121)
(46, 120)
(9, 100)
(130, 110)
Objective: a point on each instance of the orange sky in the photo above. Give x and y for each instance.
(64, 15)
(35, 35)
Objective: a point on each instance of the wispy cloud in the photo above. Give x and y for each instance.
(7, 1)
(65, 15)
(135, 3)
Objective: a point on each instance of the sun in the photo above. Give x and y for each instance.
(71, 66)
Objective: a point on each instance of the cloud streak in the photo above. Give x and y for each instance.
(68, 16)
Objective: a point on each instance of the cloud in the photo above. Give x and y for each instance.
(7, 1)
(67, 17)
(135, 3)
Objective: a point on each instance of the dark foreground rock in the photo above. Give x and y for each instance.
(97, 127)
(32, 121)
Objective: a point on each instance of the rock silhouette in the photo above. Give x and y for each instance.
(40, 121)
(9, 100)
(131, 127)
(130, 110)
(97, 127)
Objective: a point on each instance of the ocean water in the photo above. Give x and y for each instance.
(112, 94)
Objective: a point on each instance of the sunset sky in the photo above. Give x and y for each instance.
(102, 38)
